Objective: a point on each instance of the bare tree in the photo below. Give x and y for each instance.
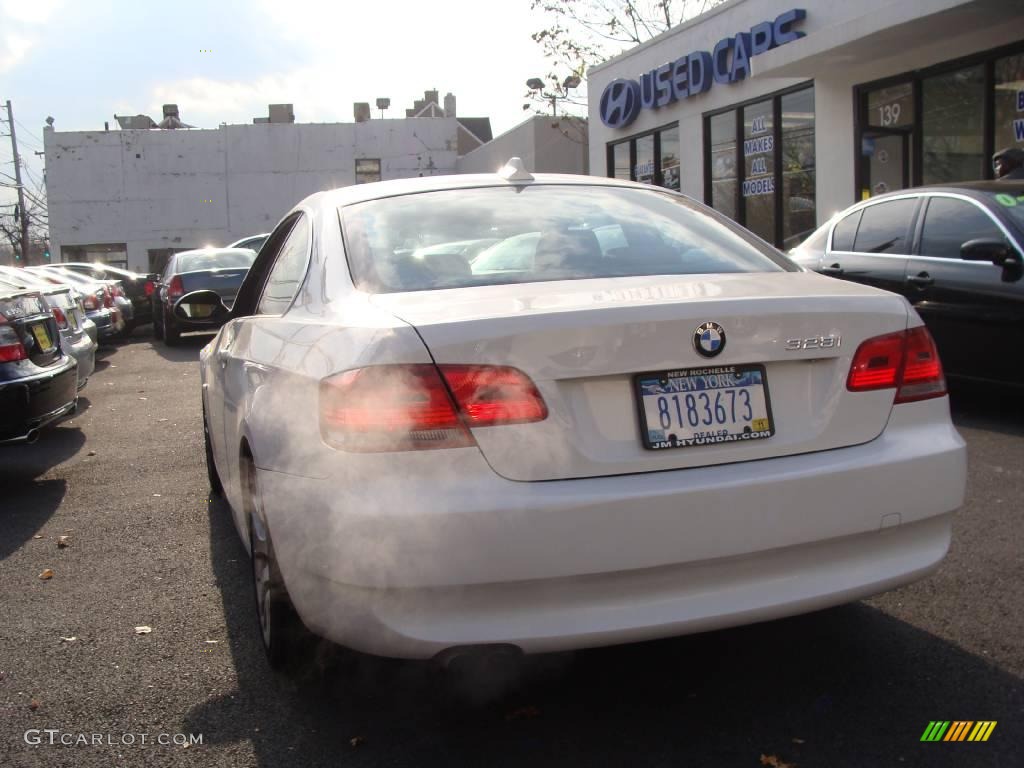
(583, 33)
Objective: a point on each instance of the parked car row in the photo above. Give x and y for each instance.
(54, 317)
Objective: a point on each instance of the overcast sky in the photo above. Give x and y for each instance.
(81, 61)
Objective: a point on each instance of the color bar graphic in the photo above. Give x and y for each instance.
(958, 730)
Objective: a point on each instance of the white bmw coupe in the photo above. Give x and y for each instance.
(554, 412)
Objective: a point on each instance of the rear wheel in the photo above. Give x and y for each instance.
(171, 332)
(281, 630)
(158, 328)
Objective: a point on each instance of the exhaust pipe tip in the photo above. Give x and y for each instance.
(459, 656)
(32, 436)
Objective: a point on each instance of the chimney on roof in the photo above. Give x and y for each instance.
(361, 111)
(430, 96)
(449, 105)
(171, 110)
(281, 113)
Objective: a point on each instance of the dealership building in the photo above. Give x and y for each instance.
(780, 115)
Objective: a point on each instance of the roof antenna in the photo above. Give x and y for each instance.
(515, 170)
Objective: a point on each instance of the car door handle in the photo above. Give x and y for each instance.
(921, 280)
(833, 269)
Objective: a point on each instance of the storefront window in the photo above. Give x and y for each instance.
(1009, 102)
(952, 135)
(777, 191)
(941, 125)
(723, 163)
(620, 161)
(670, 158)
(759, 169)
(643, 169)
(655, 158)
(797, 159)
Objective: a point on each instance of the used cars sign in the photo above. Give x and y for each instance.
(694, 73)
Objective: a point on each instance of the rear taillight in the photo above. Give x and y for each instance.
(907, 361)
(489, 395)
(91, 302)
(106, 297)
(117, 290)
(175, 288)
(412, 407)
(62, 320)
(11, 348)
(149, 287)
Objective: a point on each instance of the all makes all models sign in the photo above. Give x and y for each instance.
(695, 72)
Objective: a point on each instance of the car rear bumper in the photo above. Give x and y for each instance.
(31, 403)
(83, 349)
(413, 564)
(108, 323)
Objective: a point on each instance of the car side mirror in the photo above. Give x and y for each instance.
(204, 307)
(999, 252)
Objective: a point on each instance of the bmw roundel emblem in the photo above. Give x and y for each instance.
(709, 339)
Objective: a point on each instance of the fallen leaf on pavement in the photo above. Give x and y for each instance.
(773, 762)
(143, 630)
(47, 574)
(523, 713)
(356, 741)
(68, 639)
(34, 705)
(39, 536)
(91, 453)
(63, 541)
(211, 642)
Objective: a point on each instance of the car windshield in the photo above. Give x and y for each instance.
(539, 233)
(192, 262)
(1011, 202)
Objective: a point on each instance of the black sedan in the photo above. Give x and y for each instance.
(138, 288)
(220, 270)
(955, 252)
(38, 381)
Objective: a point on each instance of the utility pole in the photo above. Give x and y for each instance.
(21, 190)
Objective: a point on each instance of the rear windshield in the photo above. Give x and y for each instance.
(191, 262)
(499, 235)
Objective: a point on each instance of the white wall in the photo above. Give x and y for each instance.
(545, 144)
(149, 188)
(847, 43)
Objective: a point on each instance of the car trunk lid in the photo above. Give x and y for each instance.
(585, 342)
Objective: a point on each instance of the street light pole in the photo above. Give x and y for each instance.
(17, 181)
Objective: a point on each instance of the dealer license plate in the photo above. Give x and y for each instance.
(42, 335)
(704, 406)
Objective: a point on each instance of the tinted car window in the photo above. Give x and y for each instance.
(884, 226)
(191, 262)
(543, 232)
(844, 233)
(949, 223)
(287, 271)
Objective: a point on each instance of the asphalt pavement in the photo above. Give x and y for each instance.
(146, 547)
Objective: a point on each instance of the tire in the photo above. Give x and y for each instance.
(211, 468)
(284, 636)
(171, 333)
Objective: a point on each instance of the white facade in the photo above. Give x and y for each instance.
(153, 190)
(545, 145)
(845, 45)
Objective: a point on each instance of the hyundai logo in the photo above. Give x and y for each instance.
(709, 339)
(620, 103)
